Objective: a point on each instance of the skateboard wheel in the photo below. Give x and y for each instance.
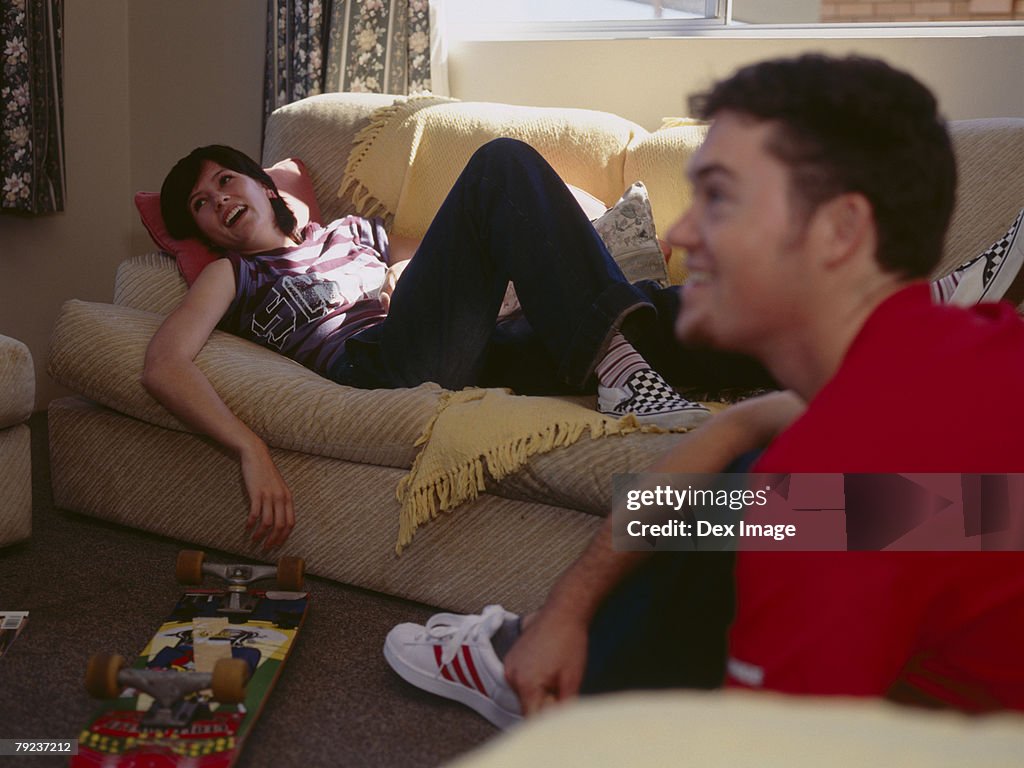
(189, 567)
(229, 679)
(101, 675)
(291, 572)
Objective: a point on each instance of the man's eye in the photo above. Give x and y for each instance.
(715, 195)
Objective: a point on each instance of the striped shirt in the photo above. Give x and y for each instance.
(305, 301)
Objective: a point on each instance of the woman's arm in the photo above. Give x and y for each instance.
(400, 252)
(401, 248)
(172, 377)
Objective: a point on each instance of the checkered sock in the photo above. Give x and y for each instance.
(619, 363)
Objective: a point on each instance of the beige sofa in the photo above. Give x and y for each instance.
(17, 398)
(118, 455)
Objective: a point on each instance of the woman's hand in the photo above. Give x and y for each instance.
(271, 511)
(173, 378)
(391, 278)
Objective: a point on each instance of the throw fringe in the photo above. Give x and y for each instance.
(366, 205)
(465, 482)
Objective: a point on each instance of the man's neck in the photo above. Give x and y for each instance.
(807, 359)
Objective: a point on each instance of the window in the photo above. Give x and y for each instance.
(484, 19)
(491, 19)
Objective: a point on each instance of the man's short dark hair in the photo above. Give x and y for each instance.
(177, 188)
(855, 124)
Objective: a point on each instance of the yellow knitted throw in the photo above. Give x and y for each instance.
(490, 429)
(407, 159)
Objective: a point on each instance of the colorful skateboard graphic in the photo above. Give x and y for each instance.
(194, 693)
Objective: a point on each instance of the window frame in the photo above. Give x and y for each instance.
(722, 25)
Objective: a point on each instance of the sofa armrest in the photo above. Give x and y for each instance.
(150, 282)
(98, 350)
(17, 382)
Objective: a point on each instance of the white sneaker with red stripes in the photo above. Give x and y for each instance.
(452, 656)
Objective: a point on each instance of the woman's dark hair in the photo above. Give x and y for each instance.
(855, 124)
(178, 185)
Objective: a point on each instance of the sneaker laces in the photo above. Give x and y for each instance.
(452, 630)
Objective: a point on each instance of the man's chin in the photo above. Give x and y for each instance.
(692, 333)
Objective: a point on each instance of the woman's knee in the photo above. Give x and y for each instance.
(507, 151)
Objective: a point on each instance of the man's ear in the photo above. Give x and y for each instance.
(848, 222)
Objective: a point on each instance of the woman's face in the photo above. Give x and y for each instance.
(233, 211)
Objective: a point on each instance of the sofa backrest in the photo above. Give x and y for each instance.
(322, 130)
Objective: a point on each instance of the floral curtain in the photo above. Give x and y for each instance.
(31, 106)
(316, 46)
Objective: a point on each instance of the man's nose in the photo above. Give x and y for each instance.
(683, 233)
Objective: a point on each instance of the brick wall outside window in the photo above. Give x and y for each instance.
(921, 10)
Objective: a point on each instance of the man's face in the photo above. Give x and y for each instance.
(748, 254)
(231, 209)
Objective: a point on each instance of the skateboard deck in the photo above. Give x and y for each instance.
(141, 729)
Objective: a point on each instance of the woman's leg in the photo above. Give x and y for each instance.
(508, 217)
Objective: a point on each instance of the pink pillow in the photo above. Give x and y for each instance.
(192, 255)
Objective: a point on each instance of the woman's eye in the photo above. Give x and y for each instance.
(225, 178)
(198, 204)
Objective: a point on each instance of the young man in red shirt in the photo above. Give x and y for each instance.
(821, 200)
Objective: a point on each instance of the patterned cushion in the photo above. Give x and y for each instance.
(627, 228)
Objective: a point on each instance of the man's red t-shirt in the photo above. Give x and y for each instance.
(923, 388)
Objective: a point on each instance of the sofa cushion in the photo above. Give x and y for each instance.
(17, 382)
(98, 350)
(727, 728)
(990, 188)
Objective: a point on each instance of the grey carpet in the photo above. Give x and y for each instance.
(91, 586)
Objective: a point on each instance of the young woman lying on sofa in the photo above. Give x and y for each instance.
(330, 298)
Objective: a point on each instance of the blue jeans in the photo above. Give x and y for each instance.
(509, 217)
(666, 625)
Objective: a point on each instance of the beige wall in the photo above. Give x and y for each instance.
(146, 80)
(646, 80)
(196, 78)
(45, 260)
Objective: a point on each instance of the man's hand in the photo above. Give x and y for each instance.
(271, 511)
(766, 416)
(546, 664)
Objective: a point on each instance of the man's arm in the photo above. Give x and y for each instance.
(548, 660)
(172, 377)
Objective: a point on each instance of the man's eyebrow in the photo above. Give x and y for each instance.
(702, 172)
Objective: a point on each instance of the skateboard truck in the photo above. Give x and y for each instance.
(108, 675)
(190, 568)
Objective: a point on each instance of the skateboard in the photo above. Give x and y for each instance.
(194, 693)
